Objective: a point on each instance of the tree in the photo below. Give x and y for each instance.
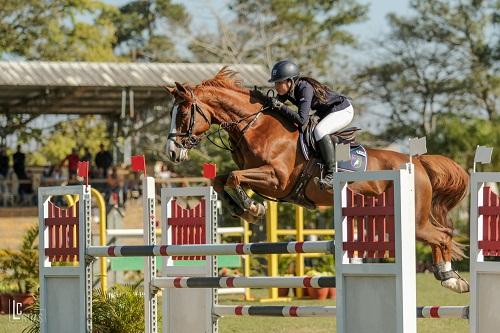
(17, 123)
(441, 60)
(144, 29)
(57, 29)
(77, 133)
(265, 31)
(458, 137)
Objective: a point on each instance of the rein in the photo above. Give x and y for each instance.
(189, 140)
(229, 125)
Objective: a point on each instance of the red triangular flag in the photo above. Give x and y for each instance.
(83, 169)
(138, 163)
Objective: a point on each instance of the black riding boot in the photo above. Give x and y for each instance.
(327, 150)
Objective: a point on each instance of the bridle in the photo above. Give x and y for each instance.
(189, 140)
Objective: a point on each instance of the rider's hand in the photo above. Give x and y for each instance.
(276, 103)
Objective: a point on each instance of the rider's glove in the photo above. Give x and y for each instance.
(276, 103)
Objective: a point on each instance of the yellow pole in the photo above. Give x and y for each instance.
(102, 237)
(272, 237)
(304, 255)
(317, 232)
(246, 269)
(71, 203)
(299, 258)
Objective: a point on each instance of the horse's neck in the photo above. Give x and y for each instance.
(233, 112)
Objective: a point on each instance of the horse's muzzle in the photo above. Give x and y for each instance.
(175, 153)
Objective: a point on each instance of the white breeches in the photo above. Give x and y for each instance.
(334, 122)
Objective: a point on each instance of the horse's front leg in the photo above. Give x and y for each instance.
(236, 208)
(263, 177)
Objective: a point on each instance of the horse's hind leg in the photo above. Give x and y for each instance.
(440, 242)
(438, 236)
(442, 256)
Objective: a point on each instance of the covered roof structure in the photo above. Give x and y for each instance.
(39, 87)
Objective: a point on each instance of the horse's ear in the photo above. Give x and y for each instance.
(182, 91)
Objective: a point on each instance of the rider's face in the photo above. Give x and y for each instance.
(282, 87)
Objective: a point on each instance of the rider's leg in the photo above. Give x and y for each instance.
(327, 150)
(332, 123)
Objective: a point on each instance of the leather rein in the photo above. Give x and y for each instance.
(189, 140)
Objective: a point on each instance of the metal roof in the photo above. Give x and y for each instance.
(114, 74)
(44, 87)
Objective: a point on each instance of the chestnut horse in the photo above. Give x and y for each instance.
(265, 148)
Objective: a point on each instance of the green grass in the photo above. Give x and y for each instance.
(429, 292)
(8, 325)
(274, 324)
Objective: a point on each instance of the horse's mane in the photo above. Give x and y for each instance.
(223, 79)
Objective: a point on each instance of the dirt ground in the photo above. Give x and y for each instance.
(13, 224)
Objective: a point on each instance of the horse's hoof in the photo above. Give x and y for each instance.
(458, 285)
(257, 209)
(247, 216)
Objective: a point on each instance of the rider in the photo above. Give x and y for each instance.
(335, 110)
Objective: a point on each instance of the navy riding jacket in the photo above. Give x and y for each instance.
(303, 97)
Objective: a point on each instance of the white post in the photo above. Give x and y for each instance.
(65, 291)
(189, 310)
(377, 297)
(150, 298)
(485, 275)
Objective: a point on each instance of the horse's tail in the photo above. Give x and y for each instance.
(450, 183)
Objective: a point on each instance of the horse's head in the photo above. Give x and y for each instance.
(188, 122)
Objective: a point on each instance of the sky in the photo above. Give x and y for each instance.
(375, 25)
(201, 12)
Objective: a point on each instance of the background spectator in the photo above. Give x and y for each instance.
(103, 161)
(4, 162)
(73, 160)
(24, 188)
(87, 156)
(114, 194)
(19, 165)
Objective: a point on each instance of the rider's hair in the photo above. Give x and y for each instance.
(320, 90)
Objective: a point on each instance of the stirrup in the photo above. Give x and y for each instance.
(325, 182)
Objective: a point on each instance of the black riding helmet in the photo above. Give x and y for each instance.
(282, 70)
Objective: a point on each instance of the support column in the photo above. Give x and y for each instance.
(299, 258)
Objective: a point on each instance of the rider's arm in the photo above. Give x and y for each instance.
(304, 100)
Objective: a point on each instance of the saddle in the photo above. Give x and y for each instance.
(358, 162)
